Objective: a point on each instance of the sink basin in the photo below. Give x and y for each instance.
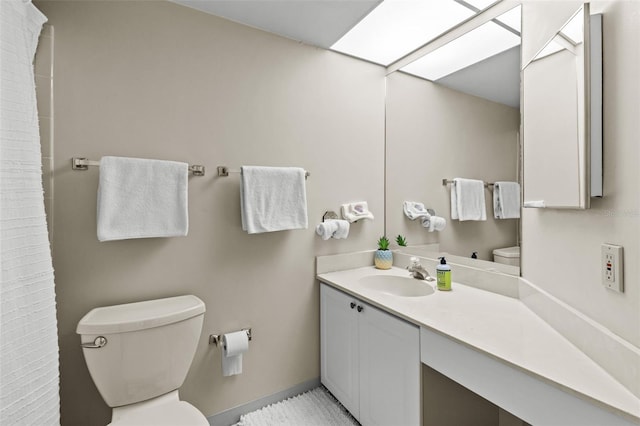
(397, 286)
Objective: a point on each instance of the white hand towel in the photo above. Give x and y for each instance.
(273, 199)
(434, 223)
(356, 211)
(343, 230)
(139, 198)
(414, 210)
(467, 200)
(326, 229)
(506, 200)
(333, 228)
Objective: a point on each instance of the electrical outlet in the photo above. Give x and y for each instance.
(612, 269)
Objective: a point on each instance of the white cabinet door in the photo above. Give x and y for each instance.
(339, 347)
(389, 369)
(370, 360)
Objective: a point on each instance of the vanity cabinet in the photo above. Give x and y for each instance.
(370, 360)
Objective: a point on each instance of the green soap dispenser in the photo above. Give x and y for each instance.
(444, 275)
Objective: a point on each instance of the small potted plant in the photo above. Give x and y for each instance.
(402, 241)
(383, 257)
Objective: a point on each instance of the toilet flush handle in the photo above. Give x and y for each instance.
(99, 342)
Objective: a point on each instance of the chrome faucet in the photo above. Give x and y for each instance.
(418, 271)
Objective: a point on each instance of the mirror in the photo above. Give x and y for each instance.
(557, 120)
(447, 116)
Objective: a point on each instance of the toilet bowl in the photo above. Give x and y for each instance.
(507, 256)
(138, 355)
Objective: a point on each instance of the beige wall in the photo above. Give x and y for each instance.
(158, 80)
(434, 133)
(561, 248)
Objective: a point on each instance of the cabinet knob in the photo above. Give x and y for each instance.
(353, 305)
(360, 308)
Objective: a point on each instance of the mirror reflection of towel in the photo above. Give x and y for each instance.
(467, 200)
(506, 200)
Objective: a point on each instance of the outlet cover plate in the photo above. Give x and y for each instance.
(612, 267)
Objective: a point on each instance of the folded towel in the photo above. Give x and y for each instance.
(467, 200)
(434, 223)
(356, 211)
(326, 229)
(333, 228)
(343, 230)
(506, 200)
(140, 198)
(273, 199)
(414, 210)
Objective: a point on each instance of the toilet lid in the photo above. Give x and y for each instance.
(169, 414)
(510, 252)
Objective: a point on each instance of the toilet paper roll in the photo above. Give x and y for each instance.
(234, 345)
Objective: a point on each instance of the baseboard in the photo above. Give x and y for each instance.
(232, 415)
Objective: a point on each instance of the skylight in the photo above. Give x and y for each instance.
(397, 27)
(512, 18)
(483, 42)
(570, 35)
(481, 4)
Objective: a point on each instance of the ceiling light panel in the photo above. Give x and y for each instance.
(398, 27)
(475, 46)
(573, 29)
(481, 4)
(512, 18)
(551, 48)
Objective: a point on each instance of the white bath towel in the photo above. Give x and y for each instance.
(273, 199)
(414, 210)
(467, 200)
(139, 198)
(333, 228)
(506, 200)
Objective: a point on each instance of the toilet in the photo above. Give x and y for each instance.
(138, 355)
(507, 256)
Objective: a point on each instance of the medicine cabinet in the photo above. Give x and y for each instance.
(562, 111)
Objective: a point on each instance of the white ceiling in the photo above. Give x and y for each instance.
(323, 22)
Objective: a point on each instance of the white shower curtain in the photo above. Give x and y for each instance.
(28, 331)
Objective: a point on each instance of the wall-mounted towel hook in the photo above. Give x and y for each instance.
(328, 215)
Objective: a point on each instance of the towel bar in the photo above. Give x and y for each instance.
(223, 171)
(79, 163)
(445, 182)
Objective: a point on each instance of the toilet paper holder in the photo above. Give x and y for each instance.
(215, 339)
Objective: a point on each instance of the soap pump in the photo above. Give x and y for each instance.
(444, 275)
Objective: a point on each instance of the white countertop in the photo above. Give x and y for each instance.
(500, 327)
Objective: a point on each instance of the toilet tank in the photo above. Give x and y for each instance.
(149, 347)
(507, 256)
